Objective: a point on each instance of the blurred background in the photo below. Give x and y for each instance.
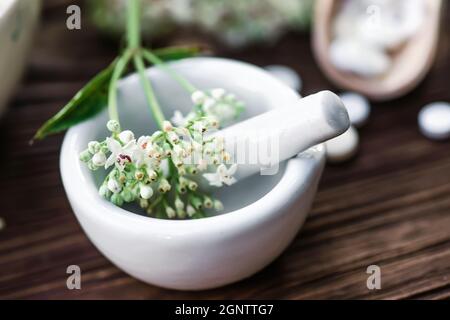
(388, 205)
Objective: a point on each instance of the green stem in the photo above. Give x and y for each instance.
(119, 69)
(155, 108)
(134, 44)
(133, 24)
(154, 59)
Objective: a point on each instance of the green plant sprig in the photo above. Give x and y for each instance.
(139, 177)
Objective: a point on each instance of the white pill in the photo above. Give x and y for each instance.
(434, 120)
(386, 36)
(414, 12)
(343, 147)
(390, 23)
(286, 75)
(351, 55)
(358, 108)
(344, 22)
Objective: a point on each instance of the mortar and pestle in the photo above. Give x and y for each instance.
(263, 212)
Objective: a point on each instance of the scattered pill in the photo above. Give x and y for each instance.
(358, 108)
(343, 147)
(434, 120)
(286, 75)
(351, 55)
(366, 32)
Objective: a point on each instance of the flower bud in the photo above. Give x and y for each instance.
(139, 175)
(173, 137)
(164, 186)
(199, 127)
(167, 149)
(99, 159)
(144, 141)
(239, 105)
(181, 170)
(167, 126)
(230, 97)
(181, 189)
(146, 192)
(156, 135)
(170, 212)
(216, 160)
(190, 210)
(127, 195)
(209, 104)
(188, 148)
(218, 206)
(178, 203)
(92, 166)
(113, 126)
(182, 131)
(181, 213)
(114, 186)
(183, 181)
(126, 136)
(207, 202)
(226, 156)
(104, 192)
(213, 122)
(192, 170)
(192, 185)
(179, 151)
(217, 93)
(196, 203)
(157, 155)
(177, 161)
(143, 203)
(152, 175)
(117, 199)
(94, 147)
(198, 97)
(85, 156)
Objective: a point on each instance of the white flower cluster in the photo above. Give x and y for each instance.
(215, 103)
(235, 22)
(158, 171)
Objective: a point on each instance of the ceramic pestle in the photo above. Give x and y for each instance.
(260, 143)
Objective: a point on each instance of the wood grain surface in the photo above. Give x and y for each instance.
(390, 206)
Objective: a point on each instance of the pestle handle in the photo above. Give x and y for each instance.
(277, 135)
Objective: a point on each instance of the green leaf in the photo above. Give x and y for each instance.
(177, 52)
(88, 102)
(93, 97)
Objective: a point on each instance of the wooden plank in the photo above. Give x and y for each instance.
(390, 206)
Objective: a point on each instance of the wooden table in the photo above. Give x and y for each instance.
(389, 207)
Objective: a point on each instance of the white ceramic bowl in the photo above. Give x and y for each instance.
(263, 213)
(18, 20)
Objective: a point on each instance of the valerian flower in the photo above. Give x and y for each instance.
(178, 119)
(161, 171)
(217, 104)
(223, 175)
(120, 155)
